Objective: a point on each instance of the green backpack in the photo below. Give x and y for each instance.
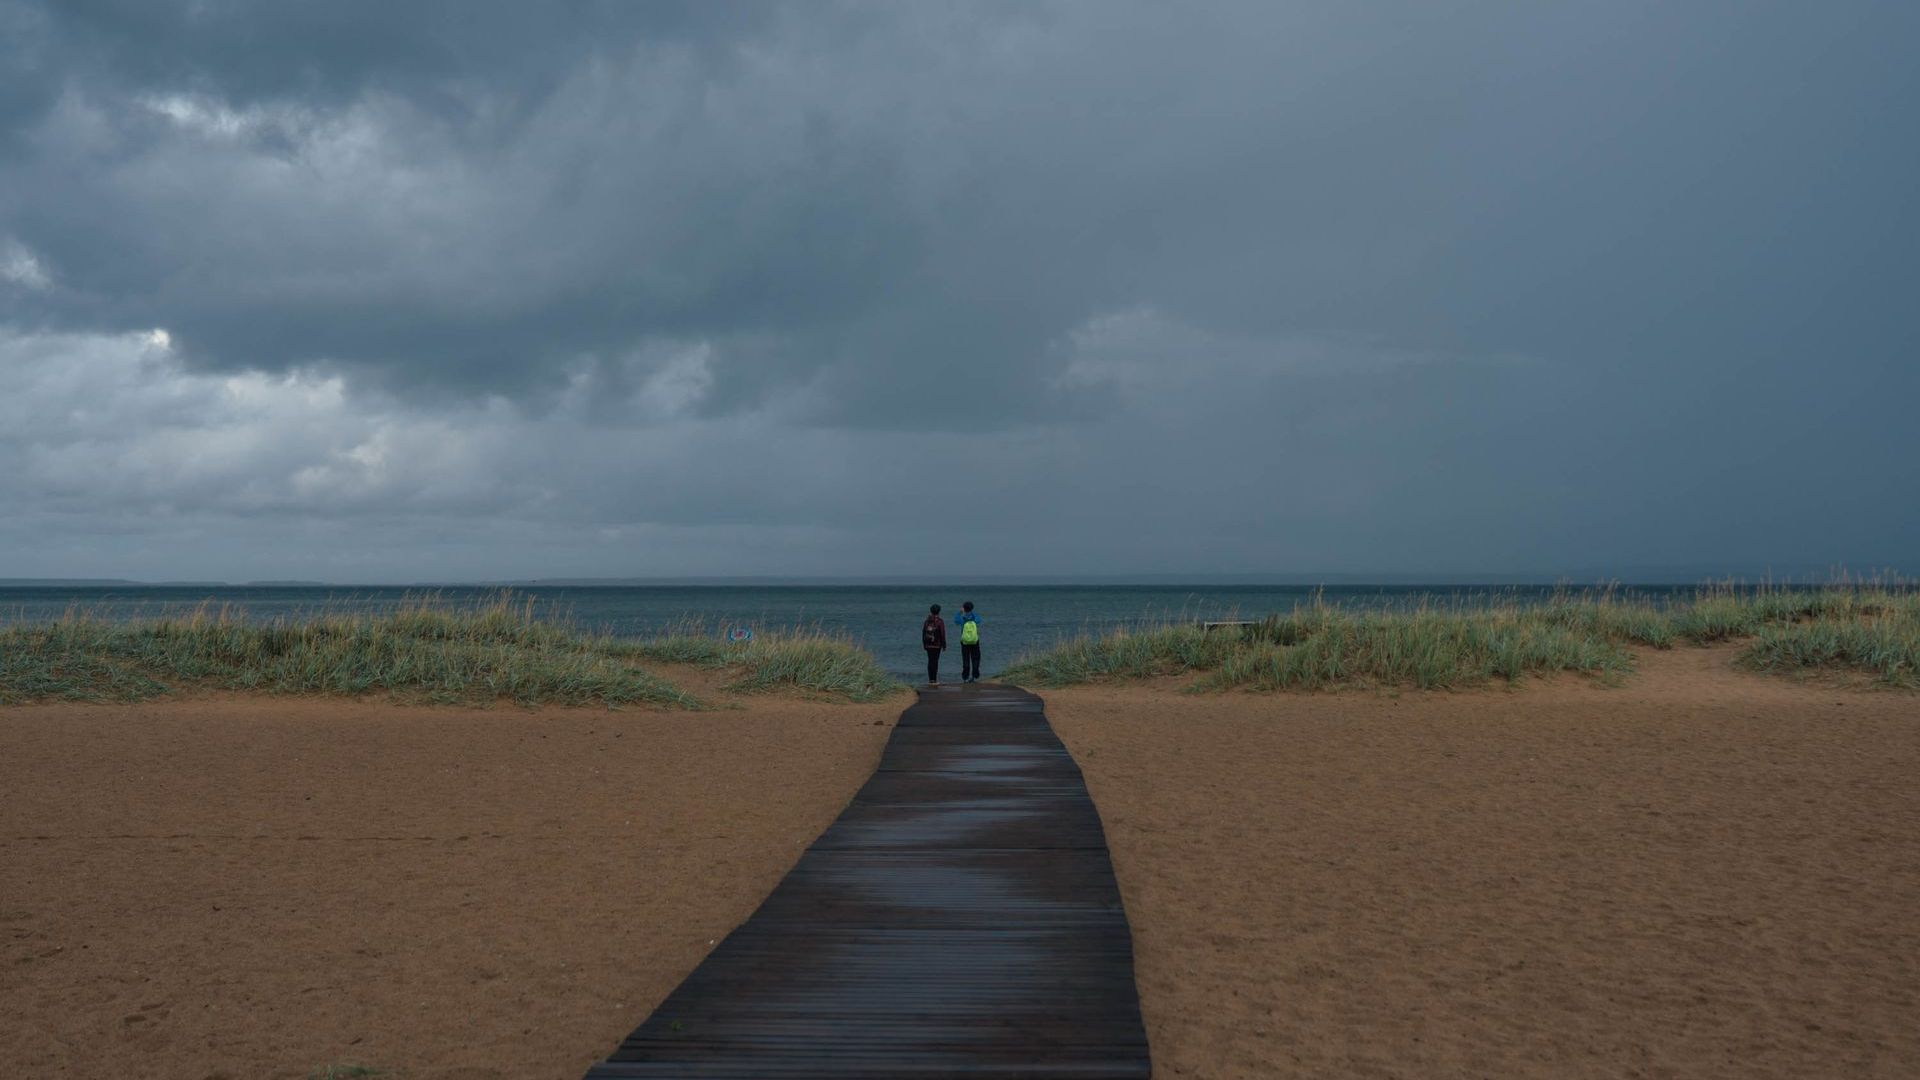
(970, 632)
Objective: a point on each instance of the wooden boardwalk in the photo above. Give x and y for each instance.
(960, 919)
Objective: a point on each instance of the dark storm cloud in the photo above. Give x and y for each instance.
(447, 52)
(1465, 285)
(470, 200)
(888, 189)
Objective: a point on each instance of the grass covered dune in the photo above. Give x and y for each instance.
(1869, 630)
(428, 650)
(504, 647)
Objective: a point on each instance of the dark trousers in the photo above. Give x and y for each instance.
(933, 665)
(969, 661)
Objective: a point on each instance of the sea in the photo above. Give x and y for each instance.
(1015, 619)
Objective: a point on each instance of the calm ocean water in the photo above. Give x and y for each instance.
(885, 618)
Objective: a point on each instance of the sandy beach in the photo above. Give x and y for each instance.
(1703, 873)
(247, 888)
(1700, 873)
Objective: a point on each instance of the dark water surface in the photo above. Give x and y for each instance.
(1015, 619)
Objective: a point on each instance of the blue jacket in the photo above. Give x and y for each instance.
(966, 617)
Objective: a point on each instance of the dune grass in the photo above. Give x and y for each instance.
(500, 647)
(805, 658)
(1865, 629)
(426, 650)
(1884, 645)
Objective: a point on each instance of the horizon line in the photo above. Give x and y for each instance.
(1667, 576)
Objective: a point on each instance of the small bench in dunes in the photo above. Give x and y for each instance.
(959, 919)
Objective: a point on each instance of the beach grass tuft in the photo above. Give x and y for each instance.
(1873, 629)
(1884, 645)
(807, 658)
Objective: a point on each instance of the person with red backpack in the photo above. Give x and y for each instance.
(933, 637)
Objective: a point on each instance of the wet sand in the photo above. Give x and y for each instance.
(1700, 874)
(1704, 873)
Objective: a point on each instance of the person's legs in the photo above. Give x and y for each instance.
(970, 662)
(933, 665)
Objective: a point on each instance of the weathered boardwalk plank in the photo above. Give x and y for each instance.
(960, 919)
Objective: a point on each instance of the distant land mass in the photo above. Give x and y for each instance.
(62, 583)
(106, 583)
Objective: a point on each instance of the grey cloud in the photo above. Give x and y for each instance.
(1480, 285)
(885, 194)
(453, 54)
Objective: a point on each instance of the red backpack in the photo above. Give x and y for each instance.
(930, 632)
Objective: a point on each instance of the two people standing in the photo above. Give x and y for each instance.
(933, 637)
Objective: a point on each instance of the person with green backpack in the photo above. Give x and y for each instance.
(969, 625)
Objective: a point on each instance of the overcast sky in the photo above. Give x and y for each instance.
(363, 291)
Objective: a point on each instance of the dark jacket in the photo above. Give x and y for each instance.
(939, 628)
